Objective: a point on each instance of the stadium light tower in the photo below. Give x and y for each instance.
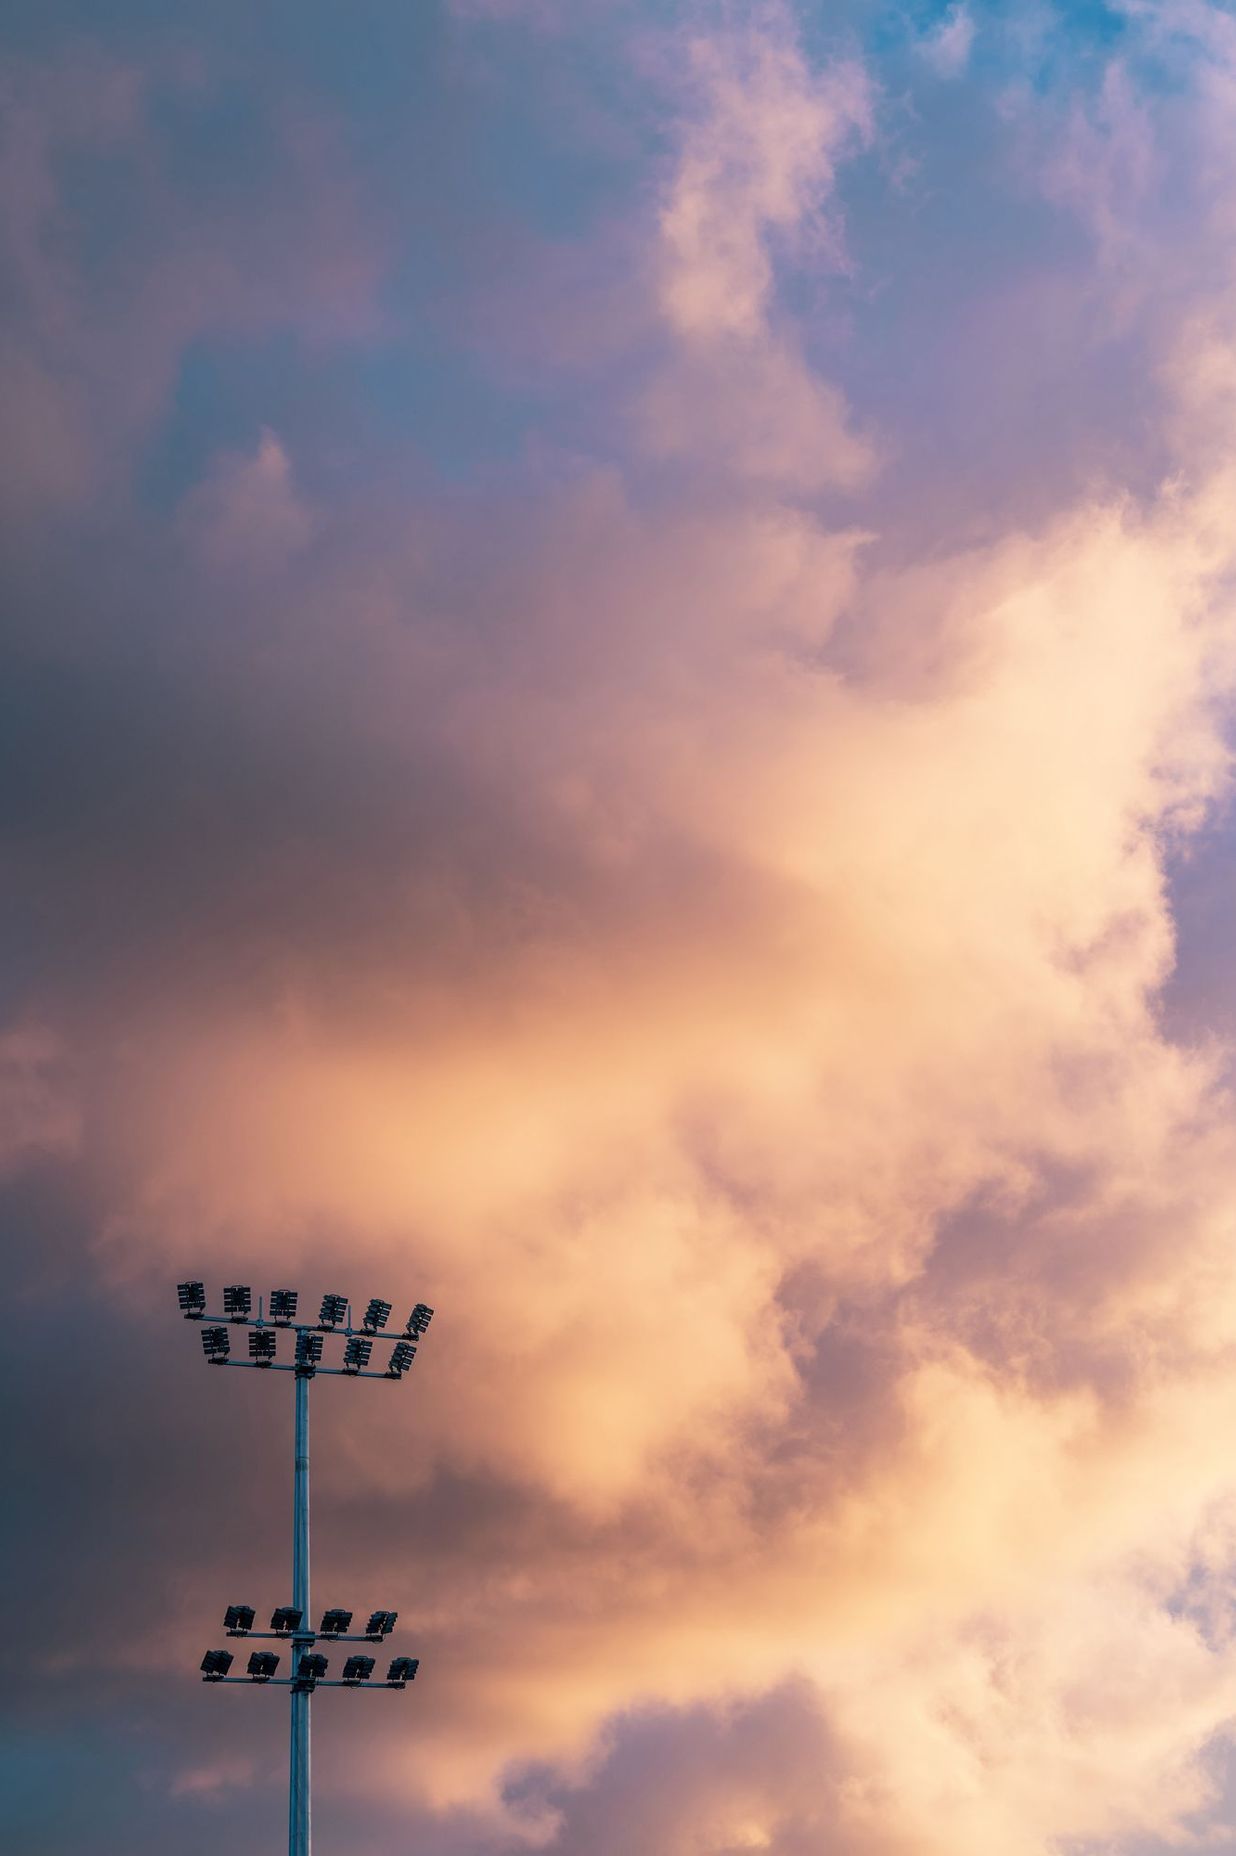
(290, 1624)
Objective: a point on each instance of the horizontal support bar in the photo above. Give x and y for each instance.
(283, 1636)
(358, 1372)
(308, 1636)
(373, 1683)
(283, 1366)
(303, 1327)
(256, 1366)
(305, 1688)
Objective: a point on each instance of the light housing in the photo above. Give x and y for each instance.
(419, 1320)
(402, 1355)
(263, 1664)
(238, 1619)
(216, 1345)
(381, 1623)
(261, 1346)
(283, 1305)
(310, 1669)
(284, 1619)
(376, 1315)
(308, 1352)
(192, 1299)
(402, 1670)
(334, 1623)
(356, 1353)
(358, 1669)
(216, 1663)
(334, 1310)
(237, 1301)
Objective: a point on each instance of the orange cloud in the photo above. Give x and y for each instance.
(715, 951)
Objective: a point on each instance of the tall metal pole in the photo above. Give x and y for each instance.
(299, 1823)
(216, 1332)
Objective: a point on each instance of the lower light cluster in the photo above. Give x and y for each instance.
(310, 1670)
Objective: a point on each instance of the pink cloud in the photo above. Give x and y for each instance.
(245, 515)
(301, 252)
(715, 951)
(947, 46)
(40, 1114)
(761, 136)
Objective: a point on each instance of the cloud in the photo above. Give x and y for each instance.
(757, 413)
(711, 947)
(762, 132)
(246, 514)
(757, 158)
(116, 273)
(39, 1114)
(946, 47)
(676, 1110)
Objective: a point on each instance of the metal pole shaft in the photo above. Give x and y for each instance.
(299, 1823)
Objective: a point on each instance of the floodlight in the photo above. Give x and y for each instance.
(376, 1315)
(334, 1309)
(284, 1619)
(403, 1669)
(283, 1305)
(333, 1622)
(192, 1299)
(311, 1669)
(238, 1619)
(381, 1624)
(261, 1346)
(263, 1664)
(215, 1345)
(358, 1669)
(216, 1663)
(237, 1301)
(402, 1355)
(308, 1352)
(356, 1353)
(419, 1320)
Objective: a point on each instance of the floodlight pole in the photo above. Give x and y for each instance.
(300, 1827)
(308, 1668)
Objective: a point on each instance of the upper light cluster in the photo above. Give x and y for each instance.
(279, 1311)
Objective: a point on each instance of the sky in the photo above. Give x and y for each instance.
(617, 675)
